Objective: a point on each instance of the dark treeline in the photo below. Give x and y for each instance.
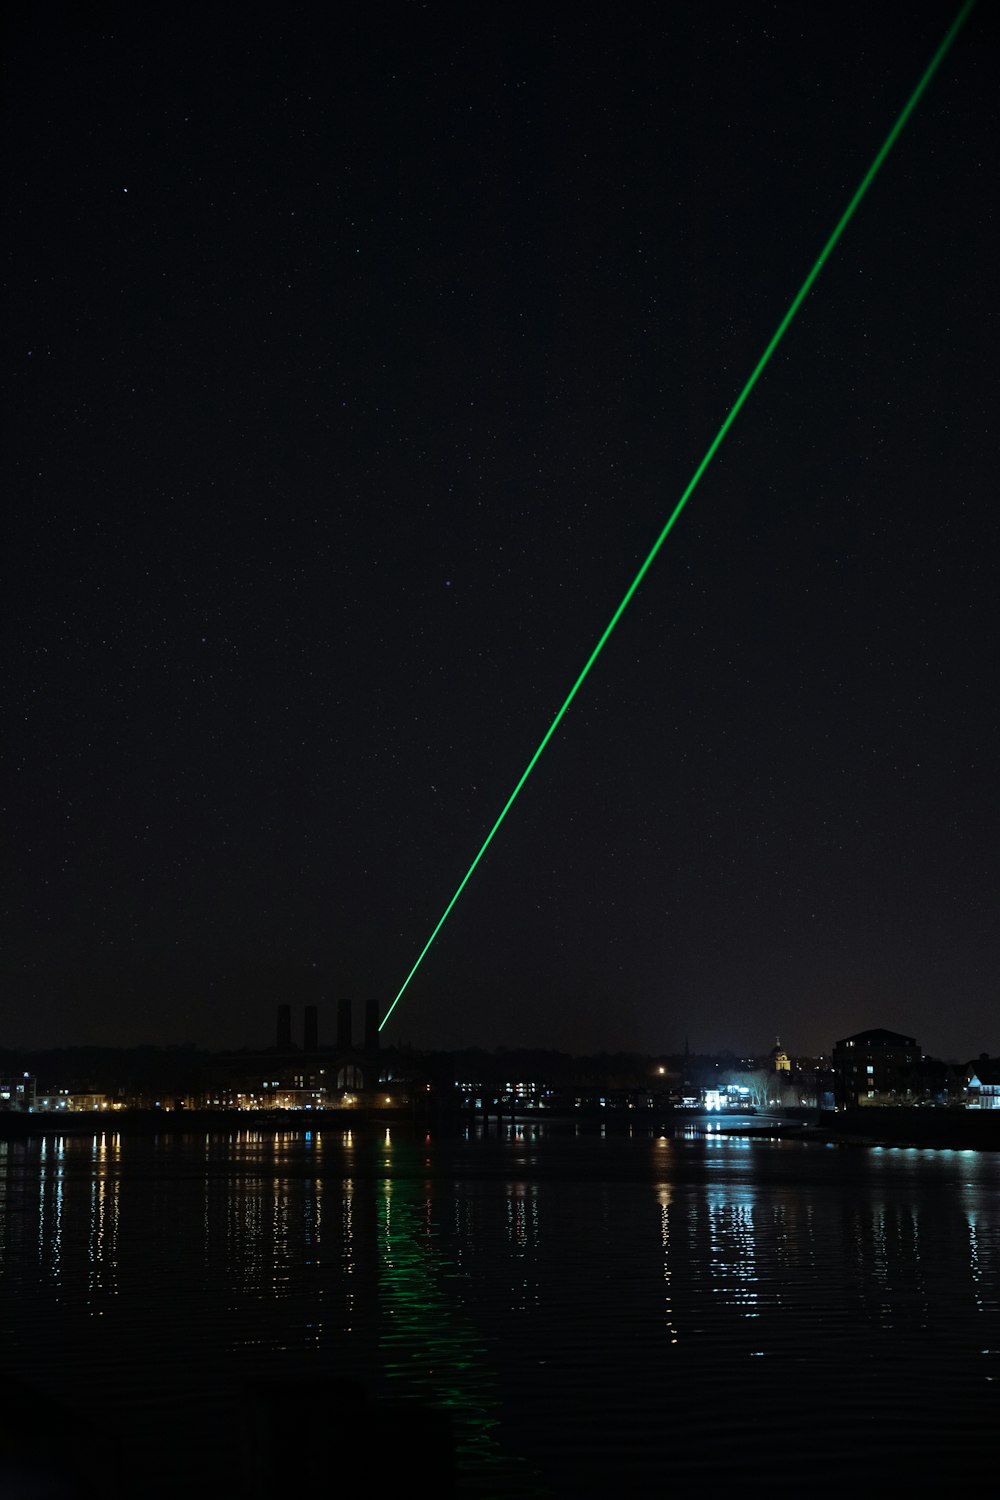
(107, 1069)
(187, 1069)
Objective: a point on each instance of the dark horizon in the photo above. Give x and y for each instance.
(329, 1044)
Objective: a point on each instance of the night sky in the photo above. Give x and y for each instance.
(356, 356)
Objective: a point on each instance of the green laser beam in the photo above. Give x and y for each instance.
(734, 411)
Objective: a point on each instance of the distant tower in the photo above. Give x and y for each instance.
(310, 1034)
(371, 1025)
(344, 1025)
(284, 1037)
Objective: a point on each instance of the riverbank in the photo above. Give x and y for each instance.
(941, 1129)
(945, 1129)
(22, 1126)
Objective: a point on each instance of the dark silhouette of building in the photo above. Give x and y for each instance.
(311, 1075)
(875, 1067)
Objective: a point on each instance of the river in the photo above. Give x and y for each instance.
(528, 1310)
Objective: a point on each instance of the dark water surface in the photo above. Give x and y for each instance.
(256, 1313)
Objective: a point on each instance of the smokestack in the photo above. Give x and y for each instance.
(310, 1033)
(371, 1025)
(344, 1025)
(284, 1037)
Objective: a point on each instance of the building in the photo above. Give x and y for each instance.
(72, 1103)
(18, 1092)
(984, 1084)
(345, 1073)
(876, 1067)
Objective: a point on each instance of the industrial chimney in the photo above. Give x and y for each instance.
(310, 1033)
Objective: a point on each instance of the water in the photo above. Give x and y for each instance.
(251, 1312)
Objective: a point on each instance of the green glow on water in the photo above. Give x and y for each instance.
(734, 411)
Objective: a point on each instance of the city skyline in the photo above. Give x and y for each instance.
(316, 1027)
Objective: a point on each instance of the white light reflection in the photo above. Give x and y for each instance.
(732, 1253)
(280, 1259)
(348, 1252)
(663, 1197)
(102, 1245)
(51, 1186)
(522, 1236)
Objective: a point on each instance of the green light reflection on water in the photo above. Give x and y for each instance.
(429, 1347)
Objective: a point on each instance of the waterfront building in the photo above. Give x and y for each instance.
(875, 1067)
(18, 1092)
(984, 1084)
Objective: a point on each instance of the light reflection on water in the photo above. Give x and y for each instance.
(430, 1348)
(104, 1208)
(581, 1306)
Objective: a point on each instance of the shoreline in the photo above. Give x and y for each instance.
(943, 1129)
